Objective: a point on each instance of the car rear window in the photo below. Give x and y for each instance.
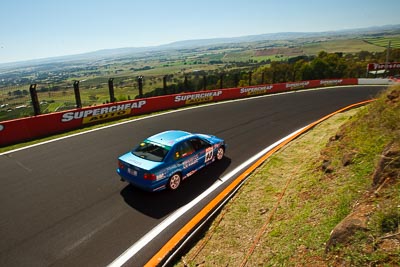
(151, 151)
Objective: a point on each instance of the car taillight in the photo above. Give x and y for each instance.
(120, 165)
(149, 176)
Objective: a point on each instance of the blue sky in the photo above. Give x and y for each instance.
(32, 29)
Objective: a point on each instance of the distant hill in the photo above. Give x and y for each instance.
(283, 36)
(187, 44)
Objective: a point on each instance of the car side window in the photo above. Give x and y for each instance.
(199, 144)
(183, 149)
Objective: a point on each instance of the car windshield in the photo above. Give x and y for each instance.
(151, 151)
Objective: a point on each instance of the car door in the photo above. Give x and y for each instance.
(204, 151)
(186, 159)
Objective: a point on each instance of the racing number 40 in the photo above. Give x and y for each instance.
(209, 154)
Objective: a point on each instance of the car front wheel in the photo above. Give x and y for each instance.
(220, 153)
(174, 181)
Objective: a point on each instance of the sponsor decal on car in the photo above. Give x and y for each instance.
(190, 173)
(256, 90)
(197, 98)
(190, 162)
(103, 113)
(161, 176)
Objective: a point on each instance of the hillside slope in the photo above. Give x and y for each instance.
(329, 198)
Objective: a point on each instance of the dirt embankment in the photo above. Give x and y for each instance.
(377, 208)
(307, 207)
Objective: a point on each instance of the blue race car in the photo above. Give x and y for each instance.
(165, 159)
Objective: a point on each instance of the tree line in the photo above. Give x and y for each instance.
(322, 66)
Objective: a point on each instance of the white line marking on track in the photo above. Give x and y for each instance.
(146, 239)
(130, 252)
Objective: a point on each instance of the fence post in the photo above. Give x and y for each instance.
(77, 94)
(165, 84)
(35, 100)
(236, 79)
(140, 84)
(111, 89)
(250, 74)
(185, 84)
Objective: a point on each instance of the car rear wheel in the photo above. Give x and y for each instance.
(220, 153)
(174, 181)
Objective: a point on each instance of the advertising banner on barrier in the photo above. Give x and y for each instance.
(23, 129)
(383, 66)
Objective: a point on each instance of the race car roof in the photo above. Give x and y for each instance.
(169, 138)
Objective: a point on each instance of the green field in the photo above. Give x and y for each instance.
(384, 41)
(343, 46)
(55, 88)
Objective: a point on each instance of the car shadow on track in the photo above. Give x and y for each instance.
(160, 204)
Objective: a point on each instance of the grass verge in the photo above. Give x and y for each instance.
(289, 212)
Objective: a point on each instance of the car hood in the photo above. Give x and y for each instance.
(139, 162)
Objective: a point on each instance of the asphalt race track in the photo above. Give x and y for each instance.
(62, 203)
